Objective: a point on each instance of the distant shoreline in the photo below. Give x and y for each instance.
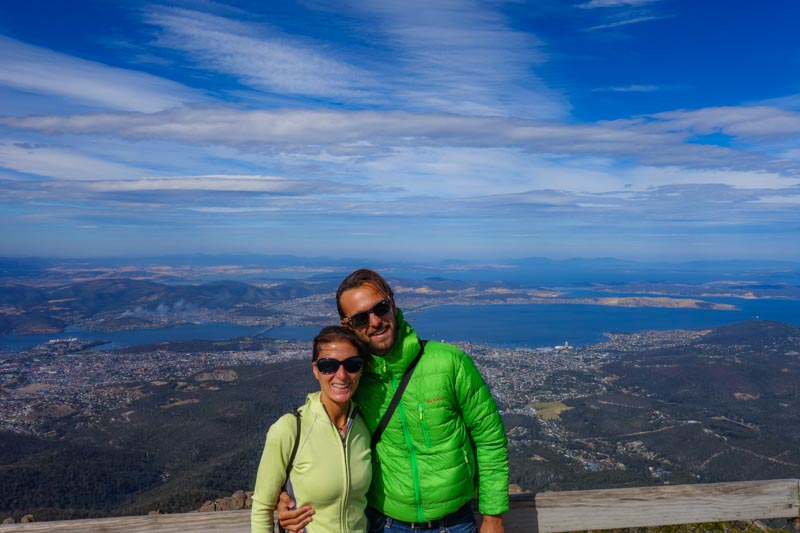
(632, 301)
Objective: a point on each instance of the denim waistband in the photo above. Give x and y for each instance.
(463, 514)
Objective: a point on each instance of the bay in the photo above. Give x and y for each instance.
(547, 325)
(133, 337)
(291, 332)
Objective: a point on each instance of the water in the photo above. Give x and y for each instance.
(532, 326)
(123, 339)
(548, 325)
(292, 332)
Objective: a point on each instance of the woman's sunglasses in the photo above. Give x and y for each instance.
(359, 320)
(329, 365)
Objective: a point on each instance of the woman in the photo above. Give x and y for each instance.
(331, 470)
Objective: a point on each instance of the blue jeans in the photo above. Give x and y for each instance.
(378, 523)
(465, 527)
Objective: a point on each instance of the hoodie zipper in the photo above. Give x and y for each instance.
(346, 467)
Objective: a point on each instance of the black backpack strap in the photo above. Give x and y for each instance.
(289, 465)
(376, 436)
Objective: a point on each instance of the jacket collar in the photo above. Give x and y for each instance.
(315, 407)
(402, 353)
(314, 404)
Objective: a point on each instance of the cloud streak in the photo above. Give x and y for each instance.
(260, 57)
(660, 140)
(457, 56)
(630, 89)
(625, 22)
(615, 3)
(51, 161)
(32, 69)
(230, 183)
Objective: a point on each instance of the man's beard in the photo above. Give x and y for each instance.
(384, 347)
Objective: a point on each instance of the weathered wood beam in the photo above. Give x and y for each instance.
(664, 505)
(546, 512)
(228, 521)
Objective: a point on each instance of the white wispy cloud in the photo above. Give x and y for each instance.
(791, 102)
(33, 69)
(224, 183)
(469, 172)
(743, 121)
(629, 89)
(593, 4)
(626, 22)
(619, 13)
(456, 55)
(468, 181)
(60, 162)
(259, 56)
(461, 56)
(792, 201)
(659, 140)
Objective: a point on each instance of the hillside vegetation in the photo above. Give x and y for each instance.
(207, 444)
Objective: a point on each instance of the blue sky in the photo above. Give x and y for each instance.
(639, 129)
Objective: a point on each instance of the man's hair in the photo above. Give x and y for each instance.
(362, 276)
(338, 334)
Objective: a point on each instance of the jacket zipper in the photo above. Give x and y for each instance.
(470, 469)
(424, 426)
(412, 455)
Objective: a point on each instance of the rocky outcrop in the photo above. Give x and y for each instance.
(238, 500)
(513, 488)
(27, 519)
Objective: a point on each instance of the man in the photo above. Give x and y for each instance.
(445, 437)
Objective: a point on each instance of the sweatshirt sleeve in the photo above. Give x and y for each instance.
(486, 429)
(272, 473)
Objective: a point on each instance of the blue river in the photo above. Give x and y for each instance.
(523, 325)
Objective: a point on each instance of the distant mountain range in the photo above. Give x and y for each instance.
(259, 267)
(44, 296)
(50, 309)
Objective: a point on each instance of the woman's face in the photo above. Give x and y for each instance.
(338, 387)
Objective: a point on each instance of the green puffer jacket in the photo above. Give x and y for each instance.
(425, 466)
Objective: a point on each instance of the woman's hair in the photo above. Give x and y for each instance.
(362, 276)
(341, 334)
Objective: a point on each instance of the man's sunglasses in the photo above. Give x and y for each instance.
(329, 365)
(359, 320)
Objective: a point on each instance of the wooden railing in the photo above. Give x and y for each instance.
(541, 513)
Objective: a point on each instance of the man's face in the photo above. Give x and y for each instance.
(380, 333)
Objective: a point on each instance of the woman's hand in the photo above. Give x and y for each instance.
(292, 519)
